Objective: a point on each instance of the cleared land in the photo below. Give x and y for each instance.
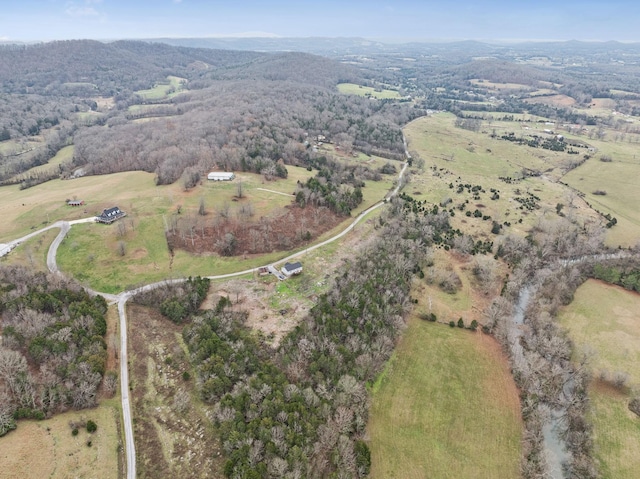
(48, 449)
(174, 437)
(617, 179)
(360, 90)
(456, 156)
(605, 320)
(63, 156)
(445, 407)
(173, 86)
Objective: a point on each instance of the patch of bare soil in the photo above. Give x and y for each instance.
(290, 227)
(174, 438)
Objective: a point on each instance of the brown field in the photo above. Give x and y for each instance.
(499, 86)
(553, 100)
(168, 443)
(46, 449)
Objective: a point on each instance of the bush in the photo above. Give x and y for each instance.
(91, 426)
(634, 405)
(74, 431)
(186, 376)
(474, 325)
(460, 323)
(452, 324)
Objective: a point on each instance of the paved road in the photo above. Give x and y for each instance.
(124, 296)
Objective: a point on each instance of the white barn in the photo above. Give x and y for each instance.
(220, 176)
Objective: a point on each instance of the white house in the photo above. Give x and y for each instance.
(220, 176)
(290, 269)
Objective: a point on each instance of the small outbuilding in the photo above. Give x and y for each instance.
(110, 215)
(290, 269)
(75, 202)
(220, 176)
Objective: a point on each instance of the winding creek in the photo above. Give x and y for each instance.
(555, 450)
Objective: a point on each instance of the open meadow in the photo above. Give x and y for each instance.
(163, 90)
(456, 155)
(38, 449)
(446, 406)
(457, 160)
(604, 321)
(360, 90)
(134, 250)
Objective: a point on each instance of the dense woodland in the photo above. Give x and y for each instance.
(53, 354)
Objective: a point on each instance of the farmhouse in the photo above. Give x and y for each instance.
(109, 215)
(220, 176)
(290, 269)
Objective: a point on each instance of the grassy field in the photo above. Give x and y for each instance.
(445, 407)
(605, 320)
(617, 434)
(479, 159)
(498, 86)
(161, 91)
(360, 90)
(48, 449)
(90, 252)
(618, 180)
(455, 156)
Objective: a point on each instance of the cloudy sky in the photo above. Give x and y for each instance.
(400, 20)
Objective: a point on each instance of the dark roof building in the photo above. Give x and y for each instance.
(109, 215)
(292, 268)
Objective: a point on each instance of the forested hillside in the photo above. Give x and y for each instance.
(233, 110)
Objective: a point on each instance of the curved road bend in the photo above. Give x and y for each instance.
(123, 297)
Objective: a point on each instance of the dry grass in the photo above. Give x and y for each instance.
(47, 448)
(169, 443)
(553, 100)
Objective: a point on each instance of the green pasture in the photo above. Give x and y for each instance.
(499, 86)
(456, 156)
(33, 252)
(11, 147)
(619, 180)
(172, 86)
(445, 407)
(92, 252)
(604, 321)
(616, 433)
(360, 90)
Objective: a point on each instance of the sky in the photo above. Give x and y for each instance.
(399, 20)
